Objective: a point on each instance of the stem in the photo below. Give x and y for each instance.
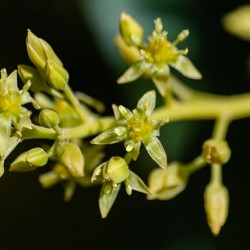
(209, 107)
(216, 174)
(220, 128)
(196, 164)
(82, 131)
(75, 103)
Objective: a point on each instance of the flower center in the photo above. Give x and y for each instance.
(141, 127)
(9, 104)
(160, 50)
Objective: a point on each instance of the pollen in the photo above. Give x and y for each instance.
(160, 50)
(140, 127)
(9, 104)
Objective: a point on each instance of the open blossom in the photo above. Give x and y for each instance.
(155, 58)
(12, 113)
(136, 127)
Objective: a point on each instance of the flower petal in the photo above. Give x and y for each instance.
(160, 80)
(134, 182)
(133, 72)
(107, 197)
(147, 102)
(156, 151)
(186, 67)
(111, 136)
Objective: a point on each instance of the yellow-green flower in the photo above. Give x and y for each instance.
(12, 112)
(135, 128)
(155, 58)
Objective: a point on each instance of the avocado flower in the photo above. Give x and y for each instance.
(135, 128)
(155, 58)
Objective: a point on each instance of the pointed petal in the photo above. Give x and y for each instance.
(147, 102)
(186, 67)
(5, 131)
(107, 197)
(111, 136)
(12, 81)
(133, 72)
(156, 151)
(160, 80)
(134, 182)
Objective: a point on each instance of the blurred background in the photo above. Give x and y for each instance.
(82, 33)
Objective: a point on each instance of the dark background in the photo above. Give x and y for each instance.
(38, 219)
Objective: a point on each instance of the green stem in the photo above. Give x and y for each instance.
(207, 108)
(220, 128)
(75, 103)
(196, 164)
(89, 128)
(216, 174)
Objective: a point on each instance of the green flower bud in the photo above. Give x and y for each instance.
(116, 170)
(49, 179)
(28, 73)
(29, 161)
(56, 75)
(130, 53)
(39, 51)
(36, 51)
(216, 151)
(72, 158)
(36, 157)
(165, 184)
(48, 118)
(216, 206)
(131, 30)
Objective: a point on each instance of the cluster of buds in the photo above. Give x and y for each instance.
(49, 68)
(155, 58)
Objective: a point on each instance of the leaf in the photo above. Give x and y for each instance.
(156, 151)
(134, 182)
(107, 197)
(186, 67)
(133, 72)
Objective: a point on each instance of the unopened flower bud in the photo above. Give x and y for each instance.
(36, 157)
(216, 206)
(216, 151)
(131, 30)
(130, 54)
(48, 118)
(28, 73)
(29, 161)
(117, 170)
(49, 179)
(56, 75)
(165, 184)
(72, 158)
(39, 51)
